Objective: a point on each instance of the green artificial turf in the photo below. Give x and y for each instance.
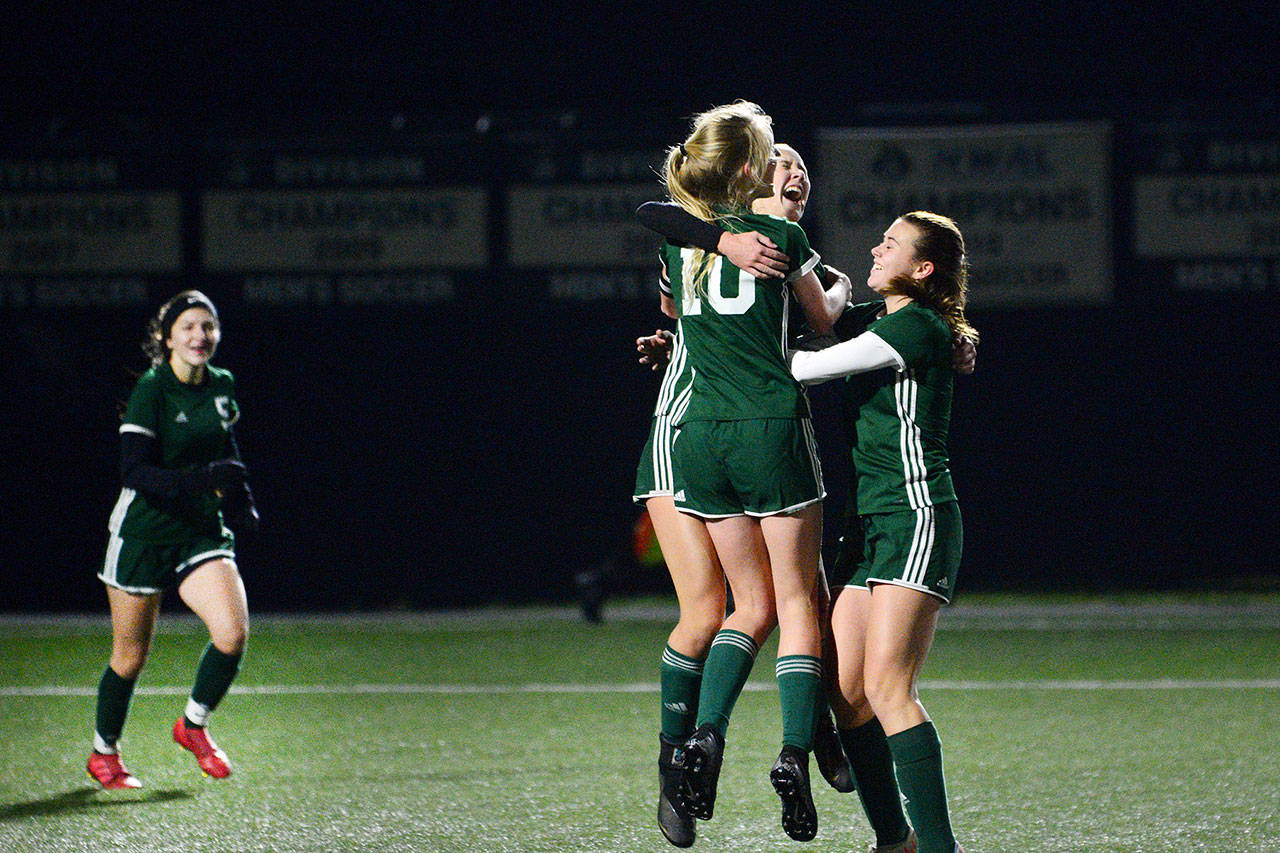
(1077, 725)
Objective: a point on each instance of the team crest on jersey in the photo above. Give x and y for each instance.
(228, 411)
(181, 418)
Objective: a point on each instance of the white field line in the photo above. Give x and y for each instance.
(1098, 615)
(54, 690)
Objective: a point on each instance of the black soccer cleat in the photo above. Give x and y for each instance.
(790, 778)
(677, 825)
(701, 757)
(829, 753)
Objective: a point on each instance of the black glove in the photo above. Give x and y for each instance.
(238, 510)
(222, 475)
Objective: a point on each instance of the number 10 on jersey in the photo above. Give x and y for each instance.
(691, 304)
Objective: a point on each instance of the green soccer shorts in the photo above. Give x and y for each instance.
(763, 466)
(654, 474)
(919, 549)
(143, 567)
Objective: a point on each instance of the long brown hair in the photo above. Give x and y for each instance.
(706, 170)
(946, 289)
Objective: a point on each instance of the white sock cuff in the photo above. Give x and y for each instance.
(728, 636)
(197, 713)
(100, 745)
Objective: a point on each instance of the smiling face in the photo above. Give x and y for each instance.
(895, 257)
(790, 180)
(192, 340)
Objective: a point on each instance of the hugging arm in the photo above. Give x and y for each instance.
(866, 352)
(750, 251)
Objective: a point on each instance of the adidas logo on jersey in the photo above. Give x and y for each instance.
(679, 496)
(181, 418)
(942, 584)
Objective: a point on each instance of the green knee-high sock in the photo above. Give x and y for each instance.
(726, 669)
(799, 689)
(681, 679)
(917, 754)
(214, 675)
(872, 763)
(114, 694)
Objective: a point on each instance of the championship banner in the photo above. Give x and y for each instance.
(90, 233)
(576, 226)
(1033, 202)
(1213, 229)
(335, 230)
(1189, 215)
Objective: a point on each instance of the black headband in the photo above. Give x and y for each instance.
(171, 314)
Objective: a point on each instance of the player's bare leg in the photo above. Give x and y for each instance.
(133, 619)
(744, 557)
(794, 541)
(700, 590)
(863, 737)
(899, 635)
(215, 593)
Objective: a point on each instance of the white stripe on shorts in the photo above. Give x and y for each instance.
(204, 557)
(112, 562)
(120, 509)
(921, 547)
(663, 476)
(814, 459)
(111, 566)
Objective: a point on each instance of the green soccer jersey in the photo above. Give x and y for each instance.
(190, 424)
(735, 329)
(899, 419)
(676, 378)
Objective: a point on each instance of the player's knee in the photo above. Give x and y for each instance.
(755, 597)
(230, 639)
(850, 711)
(886, 687)
(851, 691)
(799, 612)
(758, 621)
(698, 627)
(127, 660)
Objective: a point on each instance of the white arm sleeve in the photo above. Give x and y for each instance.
(867, 351)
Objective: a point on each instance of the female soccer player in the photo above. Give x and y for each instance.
(181, 472)
(863, 739)
(892, 579)
(744, 460)
(686, 547)
(700, 590)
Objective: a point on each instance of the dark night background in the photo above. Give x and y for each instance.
(482, 448)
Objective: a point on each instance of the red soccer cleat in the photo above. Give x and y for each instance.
(908, 845)
(212, 760)
(110, 773)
